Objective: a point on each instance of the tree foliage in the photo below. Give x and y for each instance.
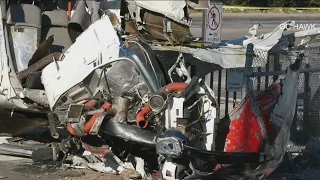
(274, 3)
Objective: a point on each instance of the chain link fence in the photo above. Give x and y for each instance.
(263, 62)
(307, 119)
(306, 124)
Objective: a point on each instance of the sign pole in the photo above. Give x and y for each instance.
(204, 20)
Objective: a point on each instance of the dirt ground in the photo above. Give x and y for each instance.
(24, 170)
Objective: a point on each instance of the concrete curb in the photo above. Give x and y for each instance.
(265, 16)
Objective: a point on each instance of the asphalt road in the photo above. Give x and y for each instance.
(236, 25)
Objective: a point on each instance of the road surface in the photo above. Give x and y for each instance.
(22, 169)
(236, 25)
(13, 168)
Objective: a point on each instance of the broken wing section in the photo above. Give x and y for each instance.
(249, 122)
(282, 116)
(262, 122)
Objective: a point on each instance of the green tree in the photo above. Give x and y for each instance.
(283, 3)
(314, 3)
(259, 3)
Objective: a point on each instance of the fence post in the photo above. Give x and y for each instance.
(247, 70)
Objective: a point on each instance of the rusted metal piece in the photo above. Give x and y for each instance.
(42, 51)
(132, 30)
(38, 65)
(154, 24)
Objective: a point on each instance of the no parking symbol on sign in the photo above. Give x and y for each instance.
(213, 21)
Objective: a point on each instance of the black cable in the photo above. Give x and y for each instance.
(225, 157)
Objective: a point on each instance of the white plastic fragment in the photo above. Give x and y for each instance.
(3, 140)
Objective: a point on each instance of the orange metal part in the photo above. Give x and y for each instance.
(69, 9)
(170, 88)
(91, 104)
(70, 129)
(140, 119)
(87, 127)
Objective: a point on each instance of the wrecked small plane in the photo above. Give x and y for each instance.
(76, 67)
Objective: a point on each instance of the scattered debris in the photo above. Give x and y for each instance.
(121, 112)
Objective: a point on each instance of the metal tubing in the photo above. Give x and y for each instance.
(15, 150)
(219, 87)
(266, 84)
(259, 80)
(226, 110)
(247, 70)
